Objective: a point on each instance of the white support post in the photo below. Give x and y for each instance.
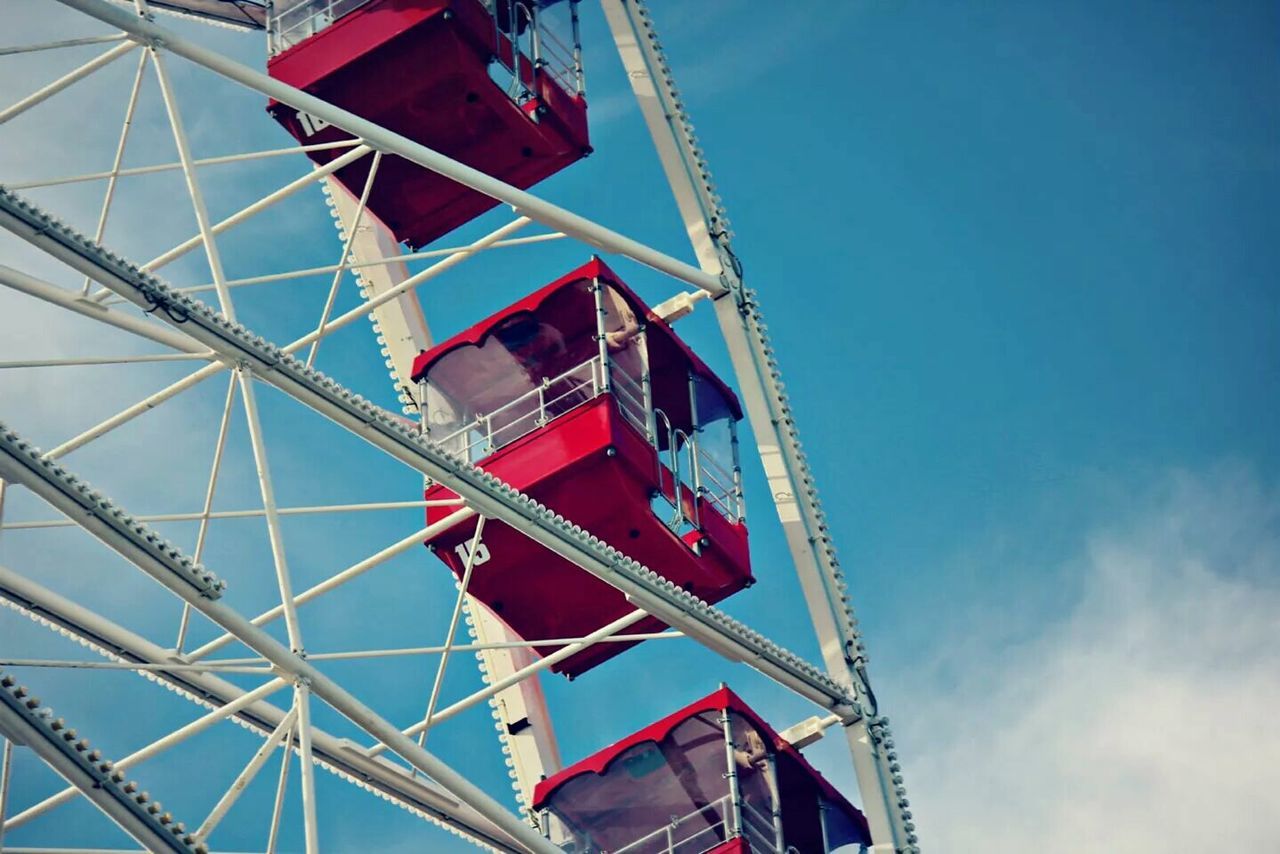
(346, 254)
(281, 787)
(125, 126)
(97, 361)
(193, 185)
(159, 746)
(472, 551)
(337, 580)
(219, 445)
(173, 167)
(538, 666)
(207, 231)
(45, 93)
(253, 514)
(790, 482)
(6, 771)
(378, 259)
(307, 768)
(269, 504)
(36, 48)
(245, 777)
(40, 289)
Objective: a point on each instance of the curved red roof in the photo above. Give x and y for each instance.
(790, 761)
(657, 329)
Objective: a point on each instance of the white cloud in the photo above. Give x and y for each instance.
(1142, 719)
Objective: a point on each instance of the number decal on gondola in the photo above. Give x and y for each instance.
(482, 553)
(311, 125)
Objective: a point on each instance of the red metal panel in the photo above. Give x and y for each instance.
(592, 468)
(420, 68)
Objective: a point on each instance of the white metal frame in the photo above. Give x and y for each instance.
(390, 301)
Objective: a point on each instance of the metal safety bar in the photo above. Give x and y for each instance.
(289, 23)
(544, 51)
(487, 439)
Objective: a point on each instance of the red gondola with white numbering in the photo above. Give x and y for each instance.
(581, 397)
(485, 82)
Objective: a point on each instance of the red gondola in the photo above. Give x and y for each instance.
(482, 82)
(712, 777)
(583, 398)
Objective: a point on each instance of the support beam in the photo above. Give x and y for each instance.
(393, 143)
(34, 48)
(245, 777)
(519, 676)
(157, 747)
(46, 92)
(21, 721)
(171, 167)
(251, 514)
(481, 491)
(790, 481)
(338, 756)
(20, 463)
(74, 302)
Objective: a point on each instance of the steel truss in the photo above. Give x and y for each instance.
(200, 332)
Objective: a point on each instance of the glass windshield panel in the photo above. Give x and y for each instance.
(716, 455)
(843, 833)
(532, 365)
(677, 783)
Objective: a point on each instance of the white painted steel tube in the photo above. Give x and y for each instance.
(521, 674)
(385, 140)
(33, 48)
(45, 93)
(258, 206)
(267, 490)
(176, 737)
(193, 185)
(110, 638)
(302, 703)
(159, 333)
(128, 545)
(351, 316)
(337, 580)
(170, 167)
(246, 776)
(252, 514)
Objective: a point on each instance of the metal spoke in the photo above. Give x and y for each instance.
(346, 254)
(157, 747)
(193, 185)
(472, 551)
(520, 675)
(172, 167)
(47, 92)
(252, 514)
(218, 446)
(337, 580)
(115, 163)
(190, 381)
(35, 48)
(245, 777)
(302, 703)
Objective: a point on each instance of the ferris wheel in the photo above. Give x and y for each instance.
(207, 478)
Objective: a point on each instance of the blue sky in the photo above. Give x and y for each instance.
(1019, 262)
